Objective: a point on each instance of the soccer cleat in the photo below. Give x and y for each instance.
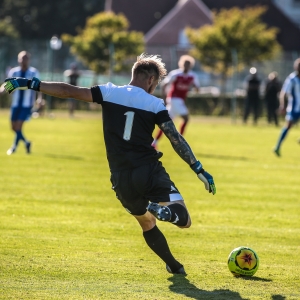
(276, 151)
(28, 147)
(160, 212)
(10, 151)
(179, 271)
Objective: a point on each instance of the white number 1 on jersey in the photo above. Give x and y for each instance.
(128, 125)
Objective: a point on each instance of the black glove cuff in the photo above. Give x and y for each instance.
(34, 84)
(197, 167)
(29, 83)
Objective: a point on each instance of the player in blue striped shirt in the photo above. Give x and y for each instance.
(22, 101)
(291, 90)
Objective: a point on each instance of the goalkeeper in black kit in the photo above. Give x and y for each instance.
(138, 178)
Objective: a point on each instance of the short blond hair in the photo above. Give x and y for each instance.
(185, 58)
(149, 65)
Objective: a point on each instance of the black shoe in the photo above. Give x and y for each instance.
(28, 147)
(160, 212)
(179, 271)
(277, 152)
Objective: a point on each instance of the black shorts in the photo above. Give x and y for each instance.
(136, 187)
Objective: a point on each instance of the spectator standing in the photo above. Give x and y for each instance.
(252, 103)
(272, 90)
(73, 75)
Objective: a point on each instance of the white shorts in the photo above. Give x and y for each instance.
(176, 107)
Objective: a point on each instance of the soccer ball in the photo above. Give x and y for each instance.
(243, 261)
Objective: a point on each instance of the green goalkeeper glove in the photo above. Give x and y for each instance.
(204, 176)
(19, 83)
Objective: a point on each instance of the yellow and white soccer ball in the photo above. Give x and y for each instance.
(243, 261)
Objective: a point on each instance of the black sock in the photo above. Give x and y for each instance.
(180, 215)
(158, 243)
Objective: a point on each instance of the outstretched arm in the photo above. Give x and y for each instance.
(57, 89)
(65, 90)
(183, 149)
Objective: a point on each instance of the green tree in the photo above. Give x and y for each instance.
(235, 30)
(7, 29)
(106, 38)
(35, 19)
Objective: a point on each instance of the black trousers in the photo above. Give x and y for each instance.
(272, 107)
(251, 105)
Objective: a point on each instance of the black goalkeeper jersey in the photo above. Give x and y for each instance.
(129, 118)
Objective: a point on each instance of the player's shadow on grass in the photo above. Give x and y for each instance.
(181, 285)
(278, 297)
(71, 157)
(225, 157)
(254, 278)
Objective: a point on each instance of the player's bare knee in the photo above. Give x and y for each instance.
(147, 221)
(148, 225)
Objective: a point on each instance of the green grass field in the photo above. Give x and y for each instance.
(64, 235)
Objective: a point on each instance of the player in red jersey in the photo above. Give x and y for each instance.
(175, 88)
